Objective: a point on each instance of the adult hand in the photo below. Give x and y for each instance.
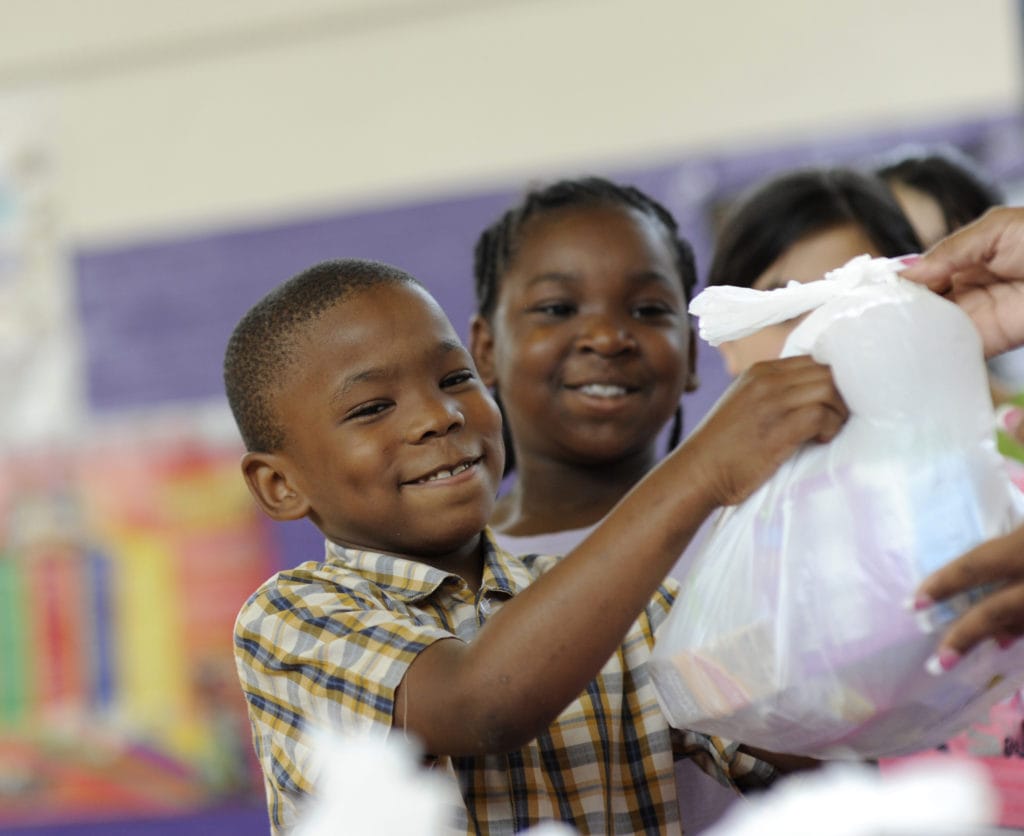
(999, 615)
(981, 268)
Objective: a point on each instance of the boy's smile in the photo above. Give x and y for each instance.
(446, 473)
(391, 438)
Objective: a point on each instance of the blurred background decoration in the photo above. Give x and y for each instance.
(163, 165)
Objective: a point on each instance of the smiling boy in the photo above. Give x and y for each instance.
(524, 678)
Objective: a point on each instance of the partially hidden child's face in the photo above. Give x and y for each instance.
(589, 345)
(923, 211)
(805, 261)
(391, 437)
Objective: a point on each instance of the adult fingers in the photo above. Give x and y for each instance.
(989, 250)
(1000, 560)
(998, 616)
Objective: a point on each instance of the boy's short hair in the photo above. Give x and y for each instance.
(261, 349)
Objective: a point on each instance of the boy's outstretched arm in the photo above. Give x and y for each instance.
(540, 650)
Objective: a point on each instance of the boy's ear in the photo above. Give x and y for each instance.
(481, 346)
(266, 474)
(692, 379)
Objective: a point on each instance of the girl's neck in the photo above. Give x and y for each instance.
(550, 496)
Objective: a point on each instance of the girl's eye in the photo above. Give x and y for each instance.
(555, 309)
(455, 378)
(368, 410)
(648, 310)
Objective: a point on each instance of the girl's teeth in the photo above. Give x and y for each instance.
(601, 390)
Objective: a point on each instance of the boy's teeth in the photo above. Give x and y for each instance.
(447, 474)
(602, 390)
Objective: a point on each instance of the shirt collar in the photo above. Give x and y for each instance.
(411, 580)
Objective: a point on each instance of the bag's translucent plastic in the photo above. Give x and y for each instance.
(792, 632)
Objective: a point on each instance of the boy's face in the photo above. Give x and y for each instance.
(391, 438)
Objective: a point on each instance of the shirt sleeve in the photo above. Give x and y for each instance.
(333, 655)
(723, 760)
(314, 656)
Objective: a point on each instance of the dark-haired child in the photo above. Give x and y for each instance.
(796, 226)
(582, 332)
(524, 678)
(939, 188)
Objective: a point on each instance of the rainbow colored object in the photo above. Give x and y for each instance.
(122, 567)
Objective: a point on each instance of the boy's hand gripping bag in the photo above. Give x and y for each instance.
(792, 632)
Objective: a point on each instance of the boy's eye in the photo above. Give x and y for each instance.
(368, 410)
(455, 378)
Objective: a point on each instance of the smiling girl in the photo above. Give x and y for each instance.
(582, 332)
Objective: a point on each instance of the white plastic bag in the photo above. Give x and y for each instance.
(792, 631)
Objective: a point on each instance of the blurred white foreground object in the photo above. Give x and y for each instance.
(951, 798)
(377, 785)
(369, 784)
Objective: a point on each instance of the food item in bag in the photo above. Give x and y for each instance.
(791, 632)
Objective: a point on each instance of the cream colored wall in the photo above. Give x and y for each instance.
(169, 115)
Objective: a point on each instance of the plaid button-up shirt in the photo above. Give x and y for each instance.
(326, 645)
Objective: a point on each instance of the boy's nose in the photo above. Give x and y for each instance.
(605, 335)
(436, 417)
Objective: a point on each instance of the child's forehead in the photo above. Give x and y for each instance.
(589, 212)
(381, 301)
(607, 222)
(376, 316)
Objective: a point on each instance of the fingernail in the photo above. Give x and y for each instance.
(941, 662)
(919, 602)
(1009, 417)
(907, 260)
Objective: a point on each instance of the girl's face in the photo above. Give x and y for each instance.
(589, 346)
(805, 261)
